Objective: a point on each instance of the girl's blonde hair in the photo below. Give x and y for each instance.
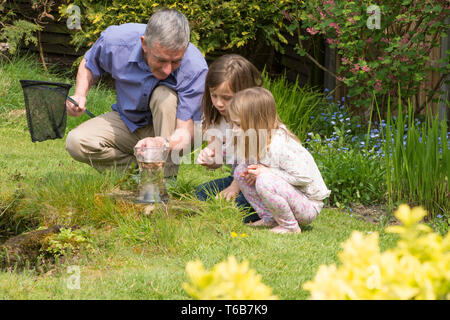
(237, 72)
(256, 109)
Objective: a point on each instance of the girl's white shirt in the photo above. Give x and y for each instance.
(288, 159)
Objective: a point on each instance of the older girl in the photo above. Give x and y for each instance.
(226, 75)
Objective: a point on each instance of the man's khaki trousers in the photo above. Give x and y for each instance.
(105, 141)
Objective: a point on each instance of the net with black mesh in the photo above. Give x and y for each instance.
(45, 104)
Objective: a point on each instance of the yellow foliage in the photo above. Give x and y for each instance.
(417, 268)
(227, 280)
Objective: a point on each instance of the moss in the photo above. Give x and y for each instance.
(24, 249)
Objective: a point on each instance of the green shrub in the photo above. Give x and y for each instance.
(376, 57)
(67, 241)
(215, 25)
(353, 175)
(14, 31)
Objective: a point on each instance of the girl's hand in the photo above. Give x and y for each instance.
(231, 192)
(253, 171)
(206, 159)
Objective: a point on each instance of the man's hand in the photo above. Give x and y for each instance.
(231, 192)
(84, 82)
(74, 110)
(150, 142)
(252, 172)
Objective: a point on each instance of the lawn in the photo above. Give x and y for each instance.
(133, 256)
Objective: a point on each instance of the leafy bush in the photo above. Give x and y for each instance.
(16, 31)
(216, 25)
(416, 269)
(66, 241)
(376, 58)
(353, 175)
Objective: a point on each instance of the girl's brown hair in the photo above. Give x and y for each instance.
(234, 69)
(256, 109)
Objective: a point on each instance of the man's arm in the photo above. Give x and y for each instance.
(84, 81)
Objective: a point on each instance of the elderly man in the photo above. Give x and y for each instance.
(159, 78)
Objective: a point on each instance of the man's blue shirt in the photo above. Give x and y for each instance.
(118, 52)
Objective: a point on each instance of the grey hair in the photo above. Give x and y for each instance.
(169, 28)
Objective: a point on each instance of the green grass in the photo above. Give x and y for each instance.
(136, 256)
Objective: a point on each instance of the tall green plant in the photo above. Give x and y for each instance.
(417, 160)
(298, 107)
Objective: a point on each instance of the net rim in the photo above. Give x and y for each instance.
(29, 83)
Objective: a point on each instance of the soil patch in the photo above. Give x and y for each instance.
(372, 214)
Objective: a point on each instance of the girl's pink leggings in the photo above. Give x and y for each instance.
(274, 199)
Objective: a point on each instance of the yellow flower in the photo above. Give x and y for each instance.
(417, 268)
(235, 235)
(227, 280)
(409, 217)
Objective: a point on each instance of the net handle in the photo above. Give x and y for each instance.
(90, 114)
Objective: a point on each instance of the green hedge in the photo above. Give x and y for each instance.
(216, 25)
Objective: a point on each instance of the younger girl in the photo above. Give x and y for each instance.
(226, 75)
(283, 184)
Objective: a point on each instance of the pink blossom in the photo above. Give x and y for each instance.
(322, 15)
(352, 21)
(355, 68)
(377, 85)
(365, 68)
(380, 58)
(369, 40)
(341, 78)
(345, 60)
(405, 40)
(391, 77)
(336, 27)
(312, 31)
